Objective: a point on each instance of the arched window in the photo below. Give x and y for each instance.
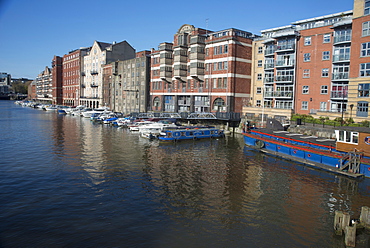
(156, 103)
(219, 105)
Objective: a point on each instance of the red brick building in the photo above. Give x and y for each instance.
(323, 61)
(72, 76)
(359, 85)
(202, 71)
(57, 77)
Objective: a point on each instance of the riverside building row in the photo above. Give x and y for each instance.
(318, 66)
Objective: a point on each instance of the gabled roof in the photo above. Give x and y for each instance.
(103, 45)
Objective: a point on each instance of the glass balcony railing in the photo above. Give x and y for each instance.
(269, 66)
(269, 80)
(340, 75)
(341, 57)
(284, 78)
(285, 62)
(269, 51)
(283, 94)
(342, 38)
(339, 94)
(285, 47)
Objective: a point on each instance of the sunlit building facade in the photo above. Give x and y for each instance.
(202, 71)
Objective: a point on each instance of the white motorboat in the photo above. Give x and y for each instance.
(156, 127)
(88, 114)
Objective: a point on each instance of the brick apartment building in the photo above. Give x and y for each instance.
(202, 71)
(72, 78)
(57, 80)
(318, 66)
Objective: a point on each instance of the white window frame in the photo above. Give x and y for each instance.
(323, 106)
(305, 89)
(326, 38)
(325, 72)
(324, 90)
(347, 136)
(307, 41)
(365, 49)
(306, 73)
(366, 28)
(307, 57)
(304, 105)
(364, 70)
(326, 55)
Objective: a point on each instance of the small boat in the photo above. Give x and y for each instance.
(156, 127)
(190, 133)
(89, 113)
(348, 154)
(62, 111)
(50, 108)
(134, 126)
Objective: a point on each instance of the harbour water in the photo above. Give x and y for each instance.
(67, 182)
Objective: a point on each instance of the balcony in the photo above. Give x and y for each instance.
(94, 72)
(197, 56)
(180, 73)
(197, 39)
(268, 94)
(165, 47)
(285, 47)
(339, 95)
(284, 79)
(93, 85)
(166, 61)
(165, 74)
(180, 58)
(269, 66)
(340, 76)
(269, 80)
(285, 63)
(269, 52)
(196, 71)
(342, 39)
(341, 57)
(283, 94)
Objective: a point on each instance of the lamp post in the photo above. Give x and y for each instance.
(342, 120)
(351, 107)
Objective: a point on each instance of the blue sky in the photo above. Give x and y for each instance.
(32, 32)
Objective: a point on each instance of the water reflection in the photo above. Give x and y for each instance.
(85, 179)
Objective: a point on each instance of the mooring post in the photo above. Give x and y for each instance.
(350, 236)
(365, 217)
(338, 222)
(341, 220)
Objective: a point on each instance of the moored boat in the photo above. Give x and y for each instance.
(348, 154)
(190, 133)
(156, 127)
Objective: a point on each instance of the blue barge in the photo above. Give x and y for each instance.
(190, 133)
(348, 155)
